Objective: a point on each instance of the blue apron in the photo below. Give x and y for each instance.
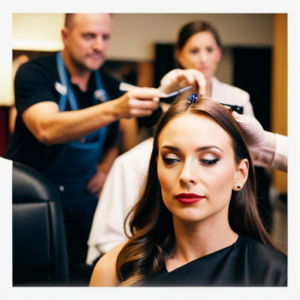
(77, 161)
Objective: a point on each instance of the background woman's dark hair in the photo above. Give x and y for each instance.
(194, 27)
(151, 223)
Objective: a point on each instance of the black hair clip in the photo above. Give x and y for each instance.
(238, 109)
(193, 98)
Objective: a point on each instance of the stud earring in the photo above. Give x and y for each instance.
(238, 186)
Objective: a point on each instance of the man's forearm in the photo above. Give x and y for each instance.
(50, 126)
(68, 126)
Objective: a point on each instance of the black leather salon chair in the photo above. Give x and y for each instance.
(39, 243)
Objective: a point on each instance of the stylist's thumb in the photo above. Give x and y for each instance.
(248, 124)
(237, 116)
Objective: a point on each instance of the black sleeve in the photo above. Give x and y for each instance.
(33, 84)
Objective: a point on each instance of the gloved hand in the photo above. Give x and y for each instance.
(252, 131)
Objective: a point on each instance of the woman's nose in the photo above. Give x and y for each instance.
(188, 175)
(203, 56)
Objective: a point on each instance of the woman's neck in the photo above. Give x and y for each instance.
(198, 239)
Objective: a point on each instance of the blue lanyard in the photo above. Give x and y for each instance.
(70, 95)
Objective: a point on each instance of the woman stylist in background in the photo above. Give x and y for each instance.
(199, 47)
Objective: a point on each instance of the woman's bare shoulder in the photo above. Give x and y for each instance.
(105, 273)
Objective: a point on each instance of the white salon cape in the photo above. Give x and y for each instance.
(120, 191)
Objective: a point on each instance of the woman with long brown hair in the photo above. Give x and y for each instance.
(198, 51)
(196, 223)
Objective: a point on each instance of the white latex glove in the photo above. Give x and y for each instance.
(268, 149)
(252, 131)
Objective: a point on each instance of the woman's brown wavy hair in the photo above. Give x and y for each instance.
(151, 224)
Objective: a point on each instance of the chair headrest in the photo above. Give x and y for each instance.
(31, 185)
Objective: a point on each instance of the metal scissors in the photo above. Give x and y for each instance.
(176, 92)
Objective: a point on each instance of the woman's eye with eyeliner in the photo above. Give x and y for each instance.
(209, 161)
(170, 161)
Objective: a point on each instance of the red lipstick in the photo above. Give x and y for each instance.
(189, 198)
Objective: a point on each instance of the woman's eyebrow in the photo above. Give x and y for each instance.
(208, 147)
(197, 150)
(169, 148)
